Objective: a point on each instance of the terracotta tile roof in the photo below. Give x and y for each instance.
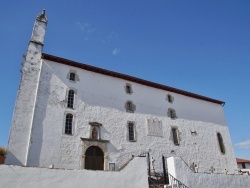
(238, 160)
(127, 77)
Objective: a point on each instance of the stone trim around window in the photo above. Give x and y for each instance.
(170, 98)
(130, 107)
(95, 131)
(68, 125)
(72, 78)
(68, 97)
(175, 135)
(171, 113)
(131, 131)
(128, 88)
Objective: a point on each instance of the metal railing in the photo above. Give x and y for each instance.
(174, 183)
(152, 184)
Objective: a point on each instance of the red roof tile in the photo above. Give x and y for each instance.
(238, 160)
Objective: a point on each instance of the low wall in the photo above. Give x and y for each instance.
(178, 168)
(133, 175)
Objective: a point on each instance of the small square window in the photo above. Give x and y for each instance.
(170, 98)
(111, 166)
(130, 107)
(128, 88)
(72, 76)
(172, 113)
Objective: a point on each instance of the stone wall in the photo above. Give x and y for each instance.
(29, 177)
(178, 168)
(101, 98)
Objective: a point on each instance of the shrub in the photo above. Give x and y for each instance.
(3, 151)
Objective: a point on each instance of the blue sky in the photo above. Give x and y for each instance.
(199, 46)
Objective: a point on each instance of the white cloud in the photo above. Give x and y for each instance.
(116, 51)
(111, 35)
(243, 145)
(109, 38)
(85, 27)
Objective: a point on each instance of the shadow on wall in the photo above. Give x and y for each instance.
(13, 160)
(36, 141)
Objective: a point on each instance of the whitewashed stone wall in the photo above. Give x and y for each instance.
(102, 99)
(178, 169)
(22, 121)
(28, 177)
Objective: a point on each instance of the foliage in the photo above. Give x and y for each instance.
(3, 151)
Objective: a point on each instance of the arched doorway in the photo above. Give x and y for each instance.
(94, 158)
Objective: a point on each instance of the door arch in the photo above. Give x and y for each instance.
(94, 158)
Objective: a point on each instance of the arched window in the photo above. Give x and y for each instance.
(71, 96)
(72, 76)
(130, 107)
(68, 124)
(172, 113)
(221, 144)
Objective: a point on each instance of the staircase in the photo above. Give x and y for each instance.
(158, 181)
(161, 180)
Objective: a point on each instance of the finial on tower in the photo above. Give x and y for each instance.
(42, 17)
(39, 29)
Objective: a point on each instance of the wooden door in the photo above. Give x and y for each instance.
(94, 158)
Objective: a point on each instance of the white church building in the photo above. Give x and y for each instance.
(77, 116)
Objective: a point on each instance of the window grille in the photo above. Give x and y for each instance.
(72, 76)
(130, 107)
(131, 131)
(68, 124)
(71, 96)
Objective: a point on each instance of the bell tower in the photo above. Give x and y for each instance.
(22, 121)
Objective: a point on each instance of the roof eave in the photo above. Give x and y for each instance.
(129, 78)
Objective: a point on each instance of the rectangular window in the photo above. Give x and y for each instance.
(221, 144)
(111, 166)
(131, 131)
(170, 98)
(68, 124)
(172, 113)
(72, 76)
(175, 136)
(130, 106)
(71, 96)
(128, 88)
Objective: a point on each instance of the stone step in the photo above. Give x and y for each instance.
(160, 186)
